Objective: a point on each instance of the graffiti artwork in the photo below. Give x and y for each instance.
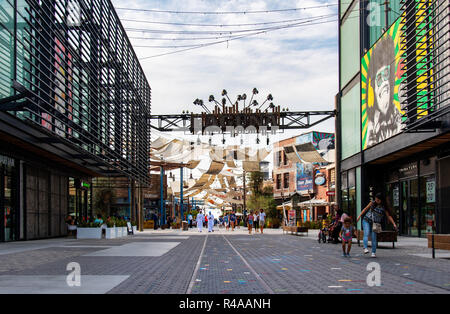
(382, 77)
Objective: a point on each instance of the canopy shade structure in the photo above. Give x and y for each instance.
(251, 166)
(159, 143)
(215, 168)
(192, 164)
(308, 153)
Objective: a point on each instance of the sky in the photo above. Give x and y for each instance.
(298, 66)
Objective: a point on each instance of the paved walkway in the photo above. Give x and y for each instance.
(223, 262)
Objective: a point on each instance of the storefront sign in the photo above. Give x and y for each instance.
(431, 192)
(7, 161)
(331, 193)
(320, 181)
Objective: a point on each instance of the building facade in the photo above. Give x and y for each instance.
(73, 105)
(393, 122)
(298, 182)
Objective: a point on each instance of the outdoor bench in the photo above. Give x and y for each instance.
(295, 230)
(384, 236)
(441, 241)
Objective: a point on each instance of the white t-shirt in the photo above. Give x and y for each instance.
(262, 216)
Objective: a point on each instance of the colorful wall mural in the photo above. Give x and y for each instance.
(381, 81)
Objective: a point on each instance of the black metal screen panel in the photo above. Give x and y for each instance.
(84, 84)
(427, 65)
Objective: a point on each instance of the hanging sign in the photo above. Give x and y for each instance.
(431, 192)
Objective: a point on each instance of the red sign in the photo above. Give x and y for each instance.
(331, 193)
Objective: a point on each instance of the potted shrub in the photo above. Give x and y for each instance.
(110, 231)
(124, 228)
(87, 229)
(134, 225)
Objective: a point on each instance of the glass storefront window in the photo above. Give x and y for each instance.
(8, 199)
(427, 204)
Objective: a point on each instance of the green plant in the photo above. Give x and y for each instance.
(88, 224)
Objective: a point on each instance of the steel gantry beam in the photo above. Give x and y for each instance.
(223, 122)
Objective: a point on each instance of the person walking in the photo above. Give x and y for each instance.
(232, 220)
(250, 222)
(226, 220)
(190, 218)
(262, 220)
(210, 222)
(374, 214)
(256, 221)
(200, 220)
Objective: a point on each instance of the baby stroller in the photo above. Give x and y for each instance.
(323, 234)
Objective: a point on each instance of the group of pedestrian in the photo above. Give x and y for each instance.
(201, 219)
(372, 217)
(256, 220)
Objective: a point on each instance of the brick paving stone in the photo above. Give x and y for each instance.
(287, 265)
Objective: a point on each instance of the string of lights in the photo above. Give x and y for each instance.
(230, 12)
(233, 39)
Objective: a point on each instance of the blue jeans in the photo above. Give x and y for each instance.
(367, 227)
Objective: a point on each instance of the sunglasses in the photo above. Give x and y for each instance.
(383, 75)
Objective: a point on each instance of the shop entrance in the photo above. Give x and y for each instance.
(8, 200)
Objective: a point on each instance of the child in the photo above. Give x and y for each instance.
(347, 235)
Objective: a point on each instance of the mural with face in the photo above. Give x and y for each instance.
(382, 77)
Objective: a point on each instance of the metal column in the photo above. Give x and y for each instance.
(162, 197)
(181, 193)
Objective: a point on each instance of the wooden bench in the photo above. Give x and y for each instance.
(384, 236)
(295, 230)
(441, 241)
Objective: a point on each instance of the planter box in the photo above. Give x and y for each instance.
(134, 229)
(110, 233)
(124, 231)
(118, 232)
(89, 233)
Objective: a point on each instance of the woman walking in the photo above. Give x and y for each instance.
(256, 221)
(250, 222)
(376, 211)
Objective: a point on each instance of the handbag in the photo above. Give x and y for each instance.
(376, 227)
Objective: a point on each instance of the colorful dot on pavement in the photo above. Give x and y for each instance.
(247, 273)
(336, 268)
(409, 283)
(335, 287)
(198, 280)
(227, 281)
(345, 280)
(284, 269)
(406, 274)
(305, 270)
(353, 289)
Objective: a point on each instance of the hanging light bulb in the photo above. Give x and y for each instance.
(198, 141)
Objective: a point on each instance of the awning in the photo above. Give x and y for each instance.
(315, 203)
(287, 205)
(308, 153)
(291, 154)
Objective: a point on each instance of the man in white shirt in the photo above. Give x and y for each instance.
(200, 220)
(210, 222)
(262, 219)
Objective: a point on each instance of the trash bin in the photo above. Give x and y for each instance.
(185, 226)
